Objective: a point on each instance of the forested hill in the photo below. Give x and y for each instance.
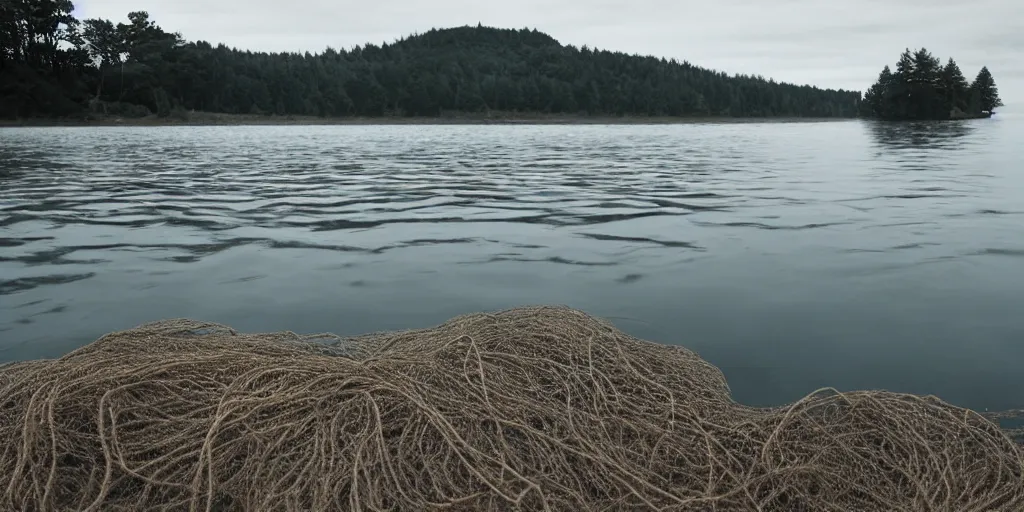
(135, 68)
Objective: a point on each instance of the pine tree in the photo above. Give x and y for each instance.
(905, 66)
(926, 68)
(876, 100)
(954, 87)
(984, 87)
(900, 91)
(924, 86)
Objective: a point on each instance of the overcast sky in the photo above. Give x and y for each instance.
(829, 43)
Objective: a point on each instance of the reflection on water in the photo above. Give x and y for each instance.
(949, 135)
(794, 256)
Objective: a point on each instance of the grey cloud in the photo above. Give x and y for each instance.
(835, 43)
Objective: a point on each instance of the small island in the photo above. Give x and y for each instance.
(923, 89)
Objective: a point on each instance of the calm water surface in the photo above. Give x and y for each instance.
(793, 256)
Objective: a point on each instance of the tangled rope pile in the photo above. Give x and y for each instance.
(532, 409)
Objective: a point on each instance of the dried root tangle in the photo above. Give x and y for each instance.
(527, 409)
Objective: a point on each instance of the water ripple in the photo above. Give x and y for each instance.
(27, 283)
(744, 240)
(321, 186)
(663, 243)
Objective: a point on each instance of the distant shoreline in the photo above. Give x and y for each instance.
(210, 119)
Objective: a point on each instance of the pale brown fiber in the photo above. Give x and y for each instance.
(527, 409)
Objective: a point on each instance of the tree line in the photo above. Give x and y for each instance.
(922, 88)
(55, 65)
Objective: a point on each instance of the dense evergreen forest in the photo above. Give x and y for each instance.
(922, 88)
(52, 64)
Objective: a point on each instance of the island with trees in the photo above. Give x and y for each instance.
(922, 88)
(54, 65)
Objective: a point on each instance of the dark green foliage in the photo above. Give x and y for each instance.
(954, 87)
(25, 93)
(921, 88)
(925, 87)
(105, 44)
(127, 110)
(984, 87)
(41, 57)
(441, 72)
(877, 100)
(162, 102)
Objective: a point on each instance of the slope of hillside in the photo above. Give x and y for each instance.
(137, 68)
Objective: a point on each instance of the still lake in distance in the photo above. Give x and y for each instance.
(794, 256)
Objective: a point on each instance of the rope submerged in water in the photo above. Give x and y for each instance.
(532, 409)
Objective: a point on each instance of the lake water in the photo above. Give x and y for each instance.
(792, 255)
